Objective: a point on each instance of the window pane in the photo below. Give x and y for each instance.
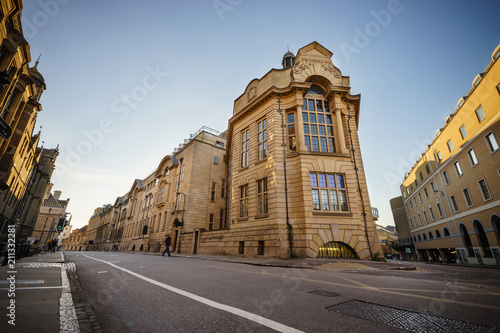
(291, 118)
(322, 130)
(324, 200)
(331, 142)
(321, 119)
(463, 132)
(304, 104)
(314, 180)
(264, 151)
(322, 180)
(343, 201)
(340, 181)
(311, 105)
(327, 106)
(319, 105)
(306, 129)
(291, 129)
(331, 181)
(484, 188)
(314, 129)
(312, 117)
(324, 146)
(304, 117)
(315, 143)
(473, 157)
(308, 143)
(329, 130)
(458, 168)
(328, 119)
(315, 198)
(492, 142)
(333, 200)
(480, 114)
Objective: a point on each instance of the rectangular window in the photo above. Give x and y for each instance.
(492, 142)
(432, 213)
(216, 160)
(328, 192)
(182, 173)
(480, 113)
(426, 194)
(221, 219)
(425, 216)
(318, 132)
(446, 178)
(223, 188)
(458, 169)
(463, 132)
(450, 146)
(433, 187)
(411, 205)
(421, 176)
(245, 142)
(440, 157)
(484, 189)
(212, 193)
(262, 139)
(427, 169)
(454, 203)
(472, 157)
(311, 105)
(419, 197)
(438, 205)
(244, 201)
(211, 222)
(292, 141)
(262, 196)
(419, 218)
(468, 199)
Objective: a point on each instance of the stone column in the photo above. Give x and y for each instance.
(339, 137)
(299, 130)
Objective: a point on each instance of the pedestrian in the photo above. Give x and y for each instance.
(168, 245)
(54, 245)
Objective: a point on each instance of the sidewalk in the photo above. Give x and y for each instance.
(37, 291)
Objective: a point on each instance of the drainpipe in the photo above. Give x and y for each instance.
(357, 178)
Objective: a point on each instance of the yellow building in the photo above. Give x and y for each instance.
(452, 193)
(293, 150)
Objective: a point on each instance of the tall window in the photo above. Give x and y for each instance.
(244, 147)
(262, 139)
(318, 126)
(223, 188)
(212, 193)
(221, 219)
(458, 169)
(328, 192)
(262, 196)
(244, 201)
(484, 189)
(472, 157)
(480, 114)
(292, 140)
(450, 146)
(463, 132)
(468, 199)
(438, 205)
(211, 222)
(454, 203)
(492, 142)
(446, 178)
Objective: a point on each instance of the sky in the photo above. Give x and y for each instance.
(127, 81)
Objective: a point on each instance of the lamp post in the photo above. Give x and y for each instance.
(288, 225)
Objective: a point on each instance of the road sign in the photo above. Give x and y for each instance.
(5, 129)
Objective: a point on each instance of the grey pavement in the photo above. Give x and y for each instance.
(48, 296)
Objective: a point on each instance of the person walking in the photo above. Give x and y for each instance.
(168, 244)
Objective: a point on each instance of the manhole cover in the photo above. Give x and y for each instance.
(408, 320)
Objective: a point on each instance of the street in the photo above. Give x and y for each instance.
(132, 292)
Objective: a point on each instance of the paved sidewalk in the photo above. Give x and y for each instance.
(38, 294)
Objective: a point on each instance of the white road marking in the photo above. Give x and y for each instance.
(242, 313)
(68, 322)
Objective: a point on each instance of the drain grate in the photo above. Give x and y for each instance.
(407, 320)
(323, 293)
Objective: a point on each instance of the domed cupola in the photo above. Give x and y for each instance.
(288, 60)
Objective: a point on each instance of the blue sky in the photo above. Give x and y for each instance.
(127, 81)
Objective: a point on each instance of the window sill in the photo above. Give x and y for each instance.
(261, 216)
(242, 219)
(346, 214)
(261, 161)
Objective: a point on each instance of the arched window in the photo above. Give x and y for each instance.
(425, 237)
(478, 227)
(466, 238)
(414, 238)
(495, 223)
(430, 235)
(336, 250)
(446, 232)
(419, 238)
(438, 234)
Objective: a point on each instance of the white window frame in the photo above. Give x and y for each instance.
(481, 189)
(489, 142)
(446, 177)
(472, 157)
(480, 107)
(450, 145)
(458, 168)
(463, 131)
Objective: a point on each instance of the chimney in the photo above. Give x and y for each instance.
(57, 194)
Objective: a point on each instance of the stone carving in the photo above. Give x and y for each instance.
(331, 69)
(301, 66)
(251, 93)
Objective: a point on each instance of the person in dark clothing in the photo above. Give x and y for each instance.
(168, 244)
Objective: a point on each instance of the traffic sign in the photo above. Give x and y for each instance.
(5, 129)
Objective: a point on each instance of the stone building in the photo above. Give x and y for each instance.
(452, 193)
(21, 87)
(76, 240)
(52, 209)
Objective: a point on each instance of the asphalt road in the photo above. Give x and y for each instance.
(149, 293)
